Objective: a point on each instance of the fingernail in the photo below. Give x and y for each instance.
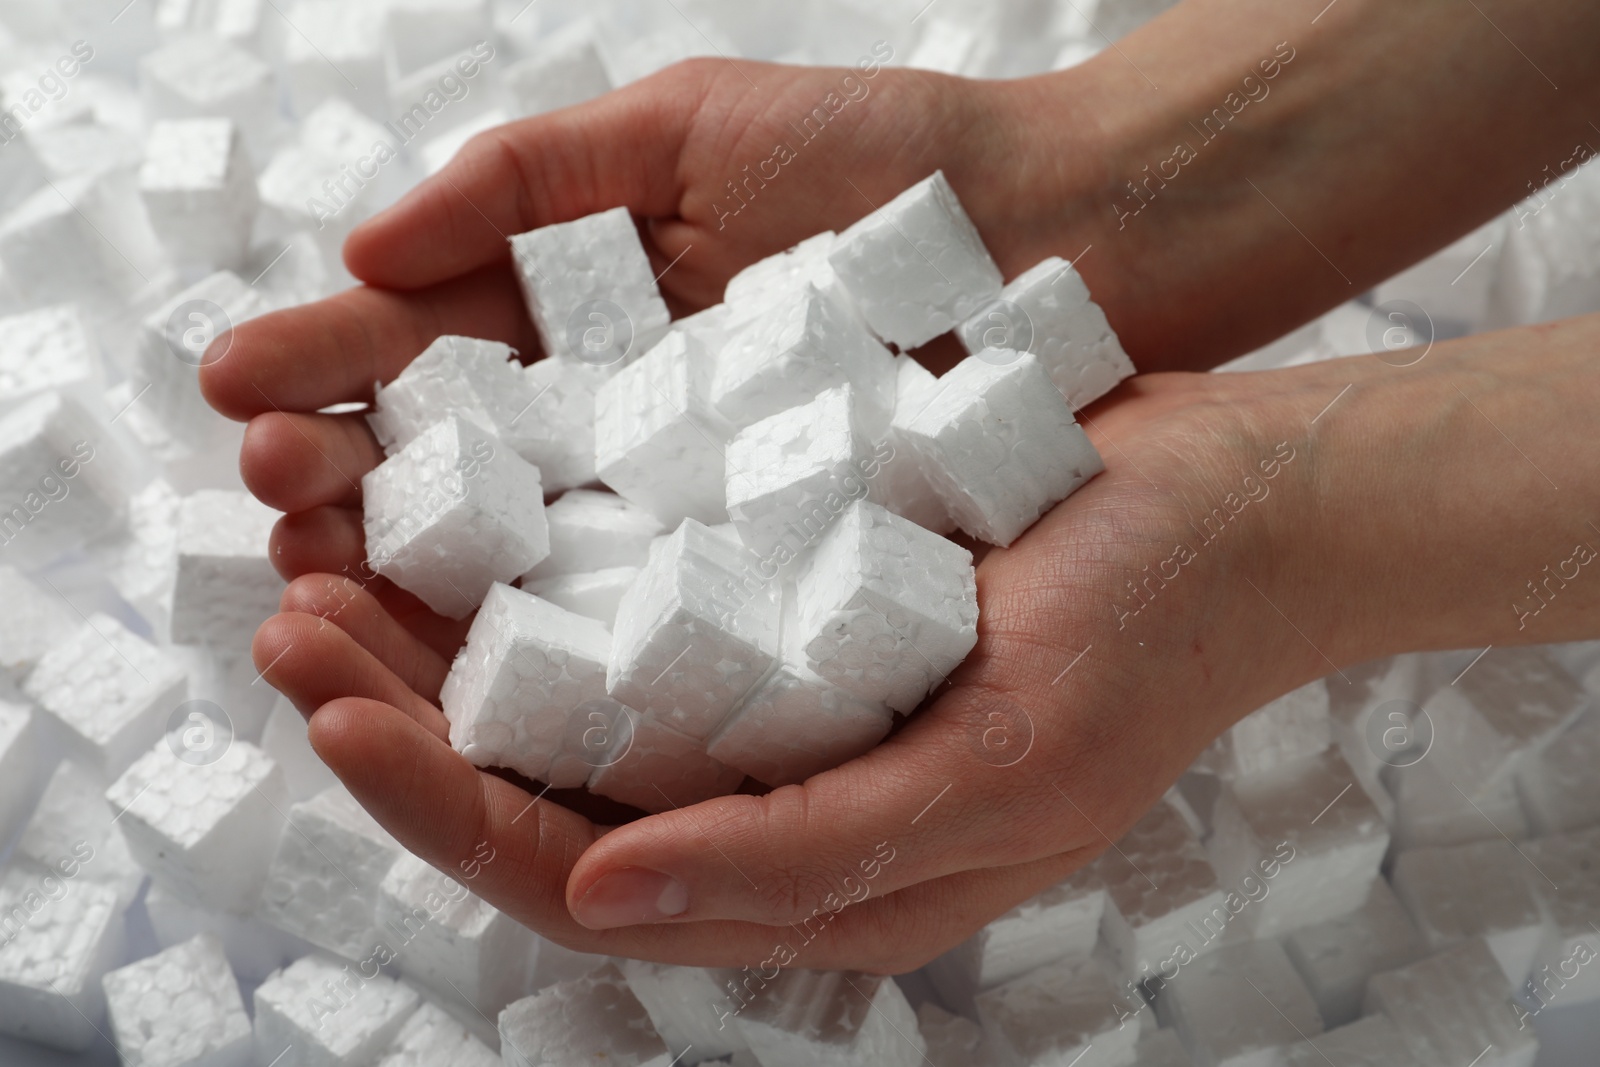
(630, 897)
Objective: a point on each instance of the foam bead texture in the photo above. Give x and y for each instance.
(595, 1018)
(179, 1008)
(431, 1038)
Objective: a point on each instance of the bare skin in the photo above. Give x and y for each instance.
(1408, 515)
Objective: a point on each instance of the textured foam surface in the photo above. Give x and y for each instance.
(831, 1017)
(1046, 310)
(62, 482)
(321, 1012)
(687, 1006)
(1059, 1013)
(1453, 1007)
(594, 1019)
(566, 70)
(110, 689)
(1457, 893)
(179, 1008)
(226, 586)
(199, 76)
(594, 595)
(1566, 879)
(1557, 786)
(57, 938)
(206, 831)
(200, 191)
(1235, 1006)
(71, 832)
(47, 348)
(885, 609)
(1000, 445)
(592, 531)
(916, 265)
(1337, 957)
(1505, 707)
(451, 514)
(568, 268)
(655, 768)
(254, 948)
(480, 381)
(529, 689)
(903, 486)
(1289, 728)
(954, 1040)
(431, 1037)
(19, 763)
(1370, 1042)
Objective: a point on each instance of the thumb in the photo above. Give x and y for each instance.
(618, 150)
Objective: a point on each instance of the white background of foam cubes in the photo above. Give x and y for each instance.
(155, 507)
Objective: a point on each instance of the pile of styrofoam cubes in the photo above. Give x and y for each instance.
(701, 550)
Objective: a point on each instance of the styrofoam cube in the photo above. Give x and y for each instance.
(254, 949)
(55, 244)
(1223, 1021)
(321, 1012)
(801, 345)
(20, 757)
(1508, 705)
(1310, 817)
(111, 690)
(59, 938)
(767, 280)
(1292, 727)
(658, 441)
(594, 594)
(238, 21)
(529, 690)
(565, 70)
(454, 942)
(201, 76)
(902, 485)
(843, 1017)
(916, 265)
(1567, 881)
(1371, 1042)
(47, 348)
(791, 474)
(303, 189)
(226, 584)
(655, 768)
(1056, 1014)
(573, 271)
(556, 431)
(1433, 808)
(206, 831)
(1046, 310)
(451, 514)
(34, 620)
(71, 835)
(432, 1037)
(325, 873)
(200, 190)
(63, 481)
(595, 1018)
(694, 633)
(592, 531)
(885, 609)
(999, 445)
(1059, 925)
(954, 1040)
(21, 172)
(339, 50)
(1556, 785)
(1160, 890)
(688, 1008)
(144, 574)
(1482, 890)
(283, 737)
(422, 31)
(179, 1008)
(1454, 1007)
(1337, 957)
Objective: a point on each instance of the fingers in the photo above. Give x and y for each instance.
(620, 150)
(331, 352)
(322, 540)
(352, 608)
(296, 462)
(312, 662)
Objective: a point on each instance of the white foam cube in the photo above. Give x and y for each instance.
(529, 690)
(35, 619)
(325, 874)
(757, 286)
(694, 633)
(320, 1012)
(1481, 890)
(238, 21)
(593, 531)
(902, 485)
(565, 70)
(1000, 445)
(655, 768)
(954, 1040)
(226, 584)
(1046, 310)
(63, 481)
(886, 609)
(451, 514)
(1060, 925)
(688, 1006)
(111, 690)
(59, 938)
(556, 429)
(1567, 881)
(1433, 808)
(1162, 896)
(61, 243)
(71, 835)
(1239, 1006)
(1337, 957)
(1453, 1007)
(47, 348)
(830, 1017)
(916, 265)
(594, 595)
(1312, 818)
(200, 76)
(200, 190)
(1556, 786)
(144, 574)
(573, 270)
(254, 948)
(432, 1037)
(454, 942)
(658, 441)
(21, 171)
(179, 1008)
(1290, 728)
(206, 831)
(1371, 1042)
(800, 345)
(422, 31)
(20, 758)
(1057, 1014)
(595, 1018)
(1503, 708)
(338, 50)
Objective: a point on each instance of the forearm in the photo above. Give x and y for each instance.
(1222, 207)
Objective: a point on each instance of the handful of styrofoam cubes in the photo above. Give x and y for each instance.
(767, 582)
